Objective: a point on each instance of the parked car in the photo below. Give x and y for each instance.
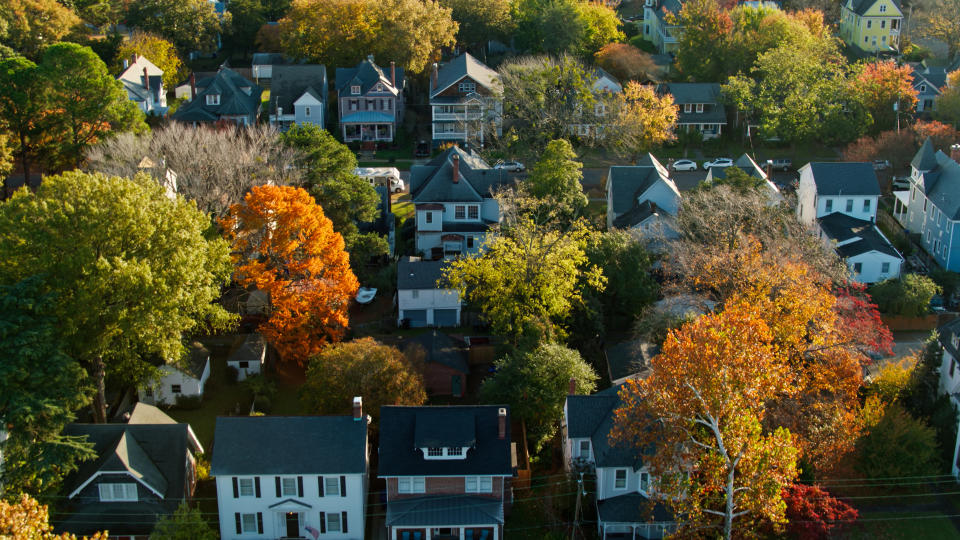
(423, 149)
(782, 164)
(900, 183)
(719, 162)
(880, 164)
(510, 166)
(684, 165)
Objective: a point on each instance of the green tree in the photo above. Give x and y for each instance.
(527, 280)
(101, 13)
(131, 269)
(23, 110)
(413, 32)
(246, 19)
(190, 24)
(702, 47)
(331, 32)
(40, 387)
(555, 181)
(908, 295)
(184, 524)
(86, 102)
(535, 385)
(32, 24)
(480, 21)
(380, 373)
(738, 180)
(896, 445)
(558, 26)
(601, 25)
(625, 263)
(157, 50)
(940, 19)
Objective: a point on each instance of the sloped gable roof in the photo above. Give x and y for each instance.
(127, 456)
(366, 74)
(926, 158)
(417, 274)
(433, 182)
(864, 235)
(234, 101)
(290, 82)
(462, 66)
(592, 417)
(441, 348)
(629, 183)
(844, 178)
(942, 185)
(861, 7)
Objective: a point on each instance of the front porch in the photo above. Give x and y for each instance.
(367, 132)
(469, 532)
(445, 517)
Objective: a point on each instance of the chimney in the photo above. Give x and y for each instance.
(955, 152)
(357, 409)
(573, 386)
(146, 79)
(126, 63)
(370, 58)
(502, 423)
(193, 86)
(455, 159)
(393, 74)
(434, 76)
(133, 58)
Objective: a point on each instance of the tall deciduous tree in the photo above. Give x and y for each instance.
(896, 147)
(22, 110)
(626, 62)
(625, 264)
(642, 120)
(246, 19)
(331, 32)
(131, 269)
(192, 25)
(159, 51)
(535, 384)
(29, 520)
(555, 181)
(706, 26)
(940, 19)
(480, 22)
(601, 25)
(32, 24)
(413, 32)
(886, 90)
(285, 246)
(40, 387)
(379, 373)
(559, 26)
(86, 102)
(701, 411)
(185, 524)
(896, 444)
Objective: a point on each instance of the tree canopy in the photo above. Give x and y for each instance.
(29, 520)
(641, 121)
(564, 26)
(32, 24)
(157, 50)
(480, 21)
(940, 19)
(885, 89)
(185, 524)
(192, 25)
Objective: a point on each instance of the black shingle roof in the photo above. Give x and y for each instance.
(592, 416)
(234, 99)
(444, 511)
(433, 182)
(289, 445)
(942, 186)
(402, 428)
(926, 158)
(416, 274)
(290, 82)
(366, 74)
(627, 183)
(632, 508)
(946, 334)
(845, 178)
(842, 228)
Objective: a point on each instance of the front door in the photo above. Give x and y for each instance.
(293, 524)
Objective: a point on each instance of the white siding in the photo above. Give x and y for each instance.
(428, 299)
(871, 264)
(163, 387)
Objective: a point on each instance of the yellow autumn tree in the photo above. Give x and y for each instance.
(285, 246)
(30, 520)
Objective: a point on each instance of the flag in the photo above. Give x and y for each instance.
(313, 532)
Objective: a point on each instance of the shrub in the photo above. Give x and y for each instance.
(260, 386)
(188, 403)
(908, 296)
(231, 375)
(203, 467)
(262, 404)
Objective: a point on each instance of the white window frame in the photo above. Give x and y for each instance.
(644, 482)
(455, 451)
(478, 484)
(687, 107)
(828, 205)
(883, 8)
(849, 205)
(306, 112)
(435, 452)
(355, 90)
(460, 211)
(616, 473)
(411, 484)
(415, 293)
(585, 449)
(467, 87)
(334, 522)
(884, 268)
(213, 99)
(117, 491)
(288, 482)
(428, 217)
(244, 523)
(866, 205)
(473, 211)
(240, 487)
(176, 388)
(331, 486)
(699, 107)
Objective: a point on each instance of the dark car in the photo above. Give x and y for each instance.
(423, 149)
(781, 164)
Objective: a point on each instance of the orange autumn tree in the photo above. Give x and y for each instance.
(881, 85)
(700, 415)
(30, 520)
(285, 246)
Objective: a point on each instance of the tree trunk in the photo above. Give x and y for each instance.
(728, 514)
(99, 404)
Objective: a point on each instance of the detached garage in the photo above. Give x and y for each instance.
(417, 318)
(422, 300)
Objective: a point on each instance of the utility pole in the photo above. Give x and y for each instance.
(578, 508)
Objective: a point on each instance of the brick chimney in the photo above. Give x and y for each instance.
(573, 387)
(146, 79)
(455, 159)
(357, 409)
(193, 86)
(502, 423)
(434, 76)
(393, 74)
(955, 152)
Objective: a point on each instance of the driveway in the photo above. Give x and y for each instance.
(905, 344)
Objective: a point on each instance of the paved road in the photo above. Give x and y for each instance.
(905, 344)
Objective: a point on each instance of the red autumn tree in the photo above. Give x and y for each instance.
(896, 147)
(285, 246)
(941, 135)
(881, 85)
(813, 514)
(626, 62)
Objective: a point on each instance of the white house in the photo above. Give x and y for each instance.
(623, 481)
(291, 476)
(186, 377)
(143, 82)
(464, 101)
(641, 197)
(604, 87)
(248, 357)
(455, 205)
(421, 299)
(838, 202)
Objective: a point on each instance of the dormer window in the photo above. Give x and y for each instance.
(355, 90)
(118, 492)
(687, 107)
(213, 99)
(455, 451)
(883, 8)
(446, 452)
(434, 452)
(467, 87)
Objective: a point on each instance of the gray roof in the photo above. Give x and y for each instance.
(290, 82)
(402, 428)
(251, 350)
(926, 158)
(234, 100)
(632, 508)
(144, 413)
(637, 215)
(444, 510)
(844, 178)
(946, 335)
(668, 6)
(592, 416)
(942, 186)
(366, 74)
(860, 7)
(692, 92)
(269, 59)
(933, 78)
(628, 358)
(138, 91)
(462, 66)
(289, 445)
(417, 274)
(627, 183)
(433, 182)
(842, 228)
(440, 348)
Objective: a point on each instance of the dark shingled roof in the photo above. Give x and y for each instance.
(403, 428)
(126, 518)
(946, 333)
(632, 508)
(251, 350)
(592, 416)
(440, 348)
(860, 7)
(433, 182)
(637, 215)
(707, 93)
(845, 178)
(843, 228)
(289, 445)
(926, 158)
(462, 66)
(628, 184)
(942, 185)
(628, 358)
(290, 82)
(234, 101)
(417, 274)
(444, 510)
(269, 59)
(366, 74)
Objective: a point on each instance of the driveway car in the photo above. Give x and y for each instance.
(684, 165)
(510, 166)
(880, 164)
(781, 164)
(423, 149)
(719, 162)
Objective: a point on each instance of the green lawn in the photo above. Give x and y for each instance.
(403, 165)
(873, 525)
(403, 207)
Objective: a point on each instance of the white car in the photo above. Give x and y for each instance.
(719, 162)
(510, 166)
(684, 165)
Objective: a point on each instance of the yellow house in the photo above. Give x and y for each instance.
(871, 25)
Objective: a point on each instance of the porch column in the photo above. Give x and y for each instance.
(393, 533)
(343, 128)
(429, 533)
(390, 131)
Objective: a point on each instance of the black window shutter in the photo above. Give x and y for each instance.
(236, 488)
(239, 526)
(343, 486)
(256, 484)
(277, 478)
(323, 522)
(299, 486)
(320, 485)
(259, 522)
(343, 522)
